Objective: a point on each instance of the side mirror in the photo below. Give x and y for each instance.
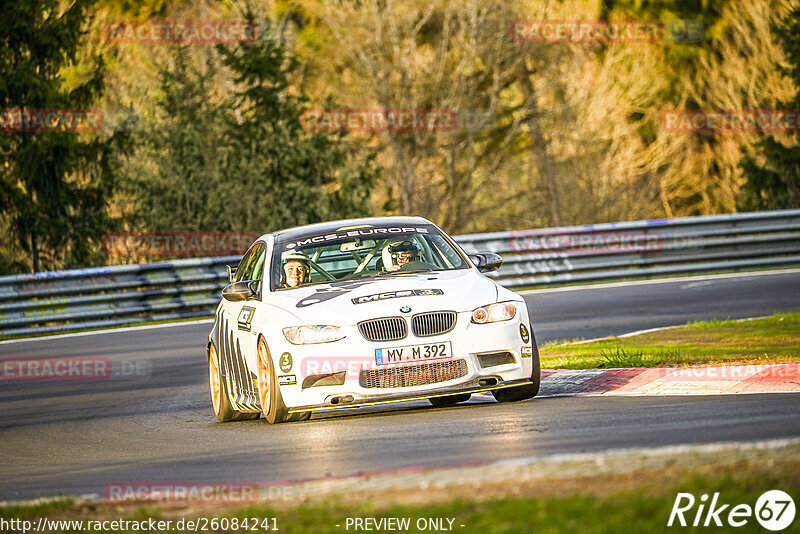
(238, 291)
(231, 272)
(486, 262)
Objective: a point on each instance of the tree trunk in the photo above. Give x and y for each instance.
(34, 251)
(544, 166)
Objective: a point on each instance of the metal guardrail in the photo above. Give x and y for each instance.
(111, 296)
(126, 294)
(662, 247)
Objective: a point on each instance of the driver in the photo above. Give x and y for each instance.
(296, 268)
(399, 253)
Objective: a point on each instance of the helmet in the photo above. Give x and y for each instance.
(403, 250)
(298, 256)
(295, 255)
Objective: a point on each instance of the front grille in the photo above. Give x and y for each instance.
(495, 358)
(433, 323)
(385, 329)
(412, 375)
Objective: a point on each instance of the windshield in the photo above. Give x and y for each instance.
(354, 253)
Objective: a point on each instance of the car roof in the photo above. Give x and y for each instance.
(332, 226)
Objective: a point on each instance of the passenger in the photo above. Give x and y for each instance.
(399, 253)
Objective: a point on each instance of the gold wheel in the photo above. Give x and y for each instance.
(264, 392)
(213, 379)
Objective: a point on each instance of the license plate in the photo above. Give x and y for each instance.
(413, 353)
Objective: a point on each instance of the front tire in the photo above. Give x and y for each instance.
(272, 406)
(520, 393)
(220, 400)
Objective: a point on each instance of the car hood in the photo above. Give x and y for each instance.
(349, 302)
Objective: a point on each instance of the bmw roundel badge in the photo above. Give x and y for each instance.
(405, 309)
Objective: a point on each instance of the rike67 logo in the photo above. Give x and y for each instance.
(774, 510)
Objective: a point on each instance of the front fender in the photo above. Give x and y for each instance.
(213, 336)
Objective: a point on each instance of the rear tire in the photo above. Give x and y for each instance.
(269, 393)
(450, 400)
(220, 401)
(520, 393)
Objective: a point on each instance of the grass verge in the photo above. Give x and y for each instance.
(774, 339)
(606, 501)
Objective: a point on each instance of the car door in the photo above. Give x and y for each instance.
(239, 342)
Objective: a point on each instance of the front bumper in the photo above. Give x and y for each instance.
(469, 343)
(405, 397)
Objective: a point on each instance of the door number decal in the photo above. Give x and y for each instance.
(245, 318)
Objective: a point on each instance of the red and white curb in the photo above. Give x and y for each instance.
(672, 381)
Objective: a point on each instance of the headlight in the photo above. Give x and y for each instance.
(304, 335)
(493, 313)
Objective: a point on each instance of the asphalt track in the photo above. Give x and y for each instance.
(156, 424)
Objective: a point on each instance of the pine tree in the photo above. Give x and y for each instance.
(285, 175)
(173, 179)
(238, 160)
(53, 184)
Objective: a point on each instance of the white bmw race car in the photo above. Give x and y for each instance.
(365, 312)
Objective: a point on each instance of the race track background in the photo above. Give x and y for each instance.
(76, 437)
